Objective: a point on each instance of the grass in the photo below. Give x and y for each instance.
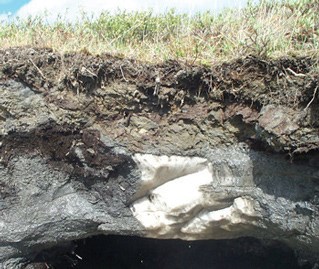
(270, 29)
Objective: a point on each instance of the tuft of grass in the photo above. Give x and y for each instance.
(270, 29)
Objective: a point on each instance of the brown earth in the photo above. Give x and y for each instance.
(268, 104)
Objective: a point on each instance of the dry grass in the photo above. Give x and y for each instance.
(270, 29)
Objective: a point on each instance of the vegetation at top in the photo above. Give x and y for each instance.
(270, 29)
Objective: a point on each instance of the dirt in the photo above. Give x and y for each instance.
(88, 114)
(268, 104)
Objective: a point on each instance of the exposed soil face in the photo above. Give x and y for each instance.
(286, 81)
(81, 118)
(268, 104)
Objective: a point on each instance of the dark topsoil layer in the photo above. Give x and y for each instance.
(272, 104)
(286, 81)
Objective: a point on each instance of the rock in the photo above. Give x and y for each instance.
(278, 121)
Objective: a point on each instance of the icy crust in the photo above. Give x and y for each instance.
(173, 201)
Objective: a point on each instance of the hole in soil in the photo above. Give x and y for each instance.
(114, 252)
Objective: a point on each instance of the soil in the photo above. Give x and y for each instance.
(164, 108)
(268, 104)
(286, 81)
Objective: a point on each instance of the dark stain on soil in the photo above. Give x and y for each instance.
(71, 150)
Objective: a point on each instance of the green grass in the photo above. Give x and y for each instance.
(270, 29)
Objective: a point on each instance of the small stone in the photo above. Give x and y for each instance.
(91, 151)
